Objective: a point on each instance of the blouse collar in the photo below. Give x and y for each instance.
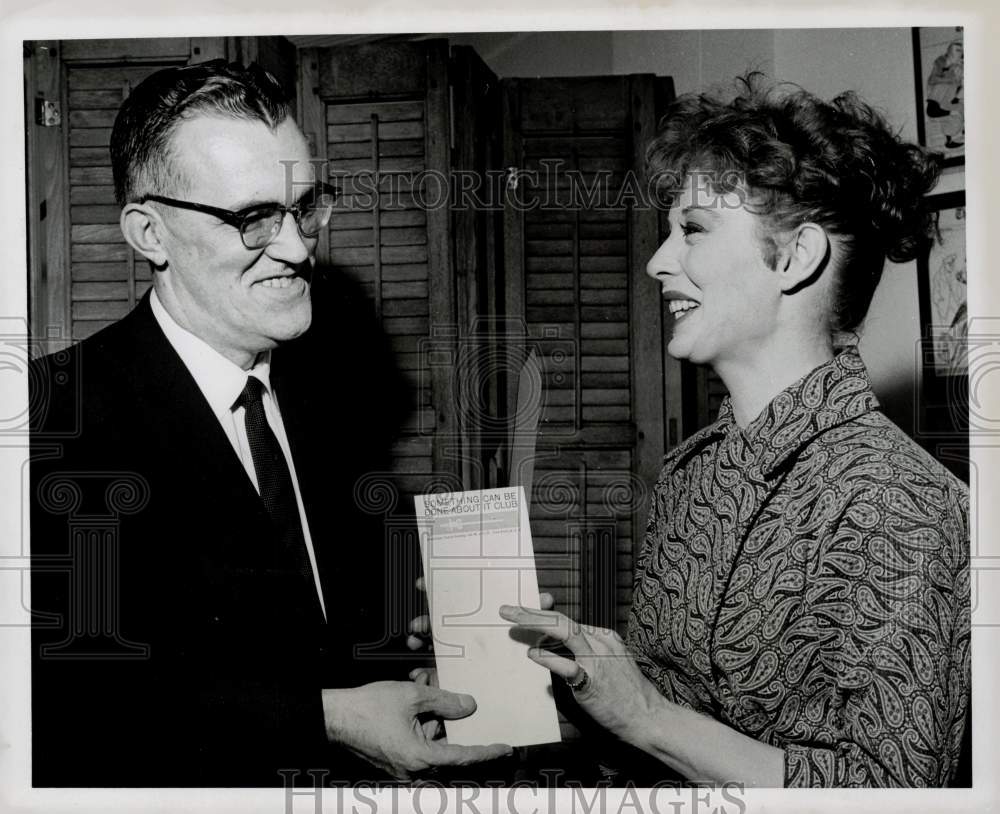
(831, 394)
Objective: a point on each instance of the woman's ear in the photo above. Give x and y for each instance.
(803, 257)
(143, 229)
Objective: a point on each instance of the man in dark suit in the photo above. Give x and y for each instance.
(201, 576)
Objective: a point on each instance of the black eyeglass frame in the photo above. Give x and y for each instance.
(240, 218)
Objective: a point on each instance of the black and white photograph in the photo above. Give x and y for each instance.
(940, 66)
(944, 277)
(461, 412)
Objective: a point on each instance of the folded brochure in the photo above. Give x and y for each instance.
(477, 555)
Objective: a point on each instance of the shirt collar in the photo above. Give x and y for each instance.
(831, 394)
(220, 380)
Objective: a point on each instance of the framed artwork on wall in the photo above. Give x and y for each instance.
(939, 61)
(942, 282)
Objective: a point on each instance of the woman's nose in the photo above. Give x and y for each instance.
(663, 263)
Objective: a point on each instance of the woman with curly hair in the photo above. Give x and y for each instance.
(801, 610)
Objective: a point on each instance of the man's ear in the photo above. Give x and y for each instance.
(803, 257)
(143, 230)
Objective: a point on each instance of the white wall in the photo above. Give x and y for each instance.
(538, 53)
(876, 62)
(696, 60)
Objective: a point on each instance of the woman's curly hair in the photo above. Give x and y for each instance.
(798, 159)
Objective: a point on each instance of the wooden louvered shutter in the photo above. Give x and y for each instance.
(477, 237)
(381, 112)
(575, 276)
(84, 276)
(704, 392)
(108, 277)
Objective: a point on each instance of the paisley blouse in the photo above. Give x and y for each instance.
(806, 581)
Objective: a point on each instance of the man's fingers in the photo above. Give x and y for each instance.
(431, 728)
(414, 643)
(546, 601)
(444, 704)
(445, 754)
(421, 585)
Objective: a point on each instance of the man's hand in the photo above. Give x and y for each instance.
(381, 722)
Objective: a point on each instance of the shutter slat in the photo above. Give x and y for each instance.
(97, 252)
(96, 99)
(83, 214)
(103, 195)
(96, 233)
(387, 131)
(93, 292)
(109, 309)
(92, 118)
(389, 112)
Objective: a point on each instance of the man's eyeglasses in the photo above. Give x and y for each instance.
(261, 223)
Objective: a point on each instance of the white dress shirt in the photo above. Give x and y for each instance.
(222, 382)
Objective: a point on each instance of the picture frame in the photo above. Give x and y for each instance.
(942, 289)
(942, 280)
(938, 57)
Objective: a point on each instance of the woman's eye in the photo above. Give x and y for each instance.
(690, 228)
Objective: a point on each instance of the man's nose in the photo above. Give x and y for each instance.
(288, 245)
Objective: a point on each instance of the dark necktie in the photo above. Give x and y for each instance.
(273, 477)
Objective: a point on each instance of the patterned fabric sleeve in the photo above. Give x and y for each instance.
(649, 667)
(894, 607)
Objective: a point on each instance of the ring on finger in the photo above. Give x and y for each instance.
(581, 683)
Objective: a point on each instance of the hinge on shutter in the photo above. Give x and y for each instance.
(47, 113)
(451, 115)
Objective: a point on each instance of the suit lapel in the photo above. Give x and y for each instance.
(206, 471)
(181, 416)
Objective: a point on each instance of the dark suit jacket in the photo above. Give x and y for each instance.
(173, 645)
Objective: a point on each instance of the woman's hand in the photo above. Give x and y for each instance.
(419, 637)
(608, 683)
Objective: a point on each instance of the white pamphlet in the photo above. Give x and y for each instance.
(477, 556)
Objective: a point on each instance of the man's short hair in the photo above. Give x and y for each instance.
(141, 157)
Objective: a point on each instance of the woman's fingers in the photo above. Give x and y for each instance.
(560, 666)
(420, 629)
(427, 676)
(546, 601)
(553, 624)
